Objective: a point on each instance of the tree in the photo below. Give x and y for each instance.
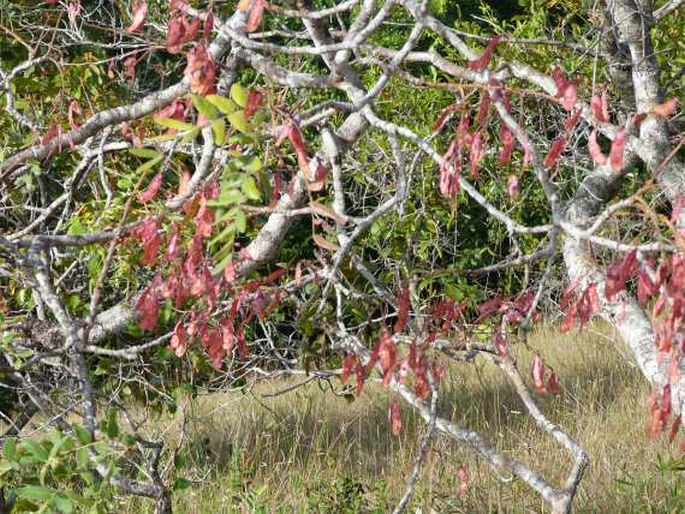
(262, 182)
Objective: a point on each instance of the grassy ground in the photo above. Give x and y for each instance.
(309, 450)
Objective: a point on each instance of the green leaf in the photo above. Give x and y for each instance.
(145, 153)
(37, 450)
(240, 221)
(239, 94)
(221, 265)
(250, 163)
(219, 131)
(237, 120)
(57, 446)
(225, 105)
(232, 196)
(249, 187)
(225, 250)
(148, 165)
(163, 137)
(226, 232)
(63, 503)
(112, 426)
(205, 107)
(101, 448)
(175, 124)
(180, 484)
(82, 434)
(82, 458)
(9, 450)
(190, 135)
(7, 466)
(34, 492)
(244, 139)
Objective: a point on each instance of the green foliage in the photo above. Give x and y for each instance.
(57, 473)
(347, 494)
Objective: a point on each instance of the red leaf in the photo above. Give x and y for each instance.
(147, 307)
(292, 132)
(463, 136)
(254, 102)
(618, 272)
(570, 96)
(449, 182)
(665, 109)
(148, 235)
(595, 151)
(666, 401)
(645, 288)
(74, 112)
(565, 89)
(201, 70)
(402, 310)
(152, 188)
(181, 32)
(227, 335)
(500, 343)
(570, 318)
(130, 66)
(656, 425)
(175, 288)
(560, 81)
(507, 138)
(513, 186)
(660, 405)
(637, 119)
(173, 246)
(552, 384)
(395, 418)
(178, 5)
(212, 340)
(617, 147)
(50, 134)
(230, 273)
(176, 110)
(421, 386)
(178, 341)
(444, 116)
(527, 153)
(569, 295)
(538, 374)
(256, 14)
(591, 299)
(348, 364)
(488, 307)
(573, 120)
(243, 349)
(208, 26)
(204, 219)
(139, 16)
(482, 62)
(73, 10)
(477, 153)
(483, 109)
(387, 355)
(557, 148)
(600, 107)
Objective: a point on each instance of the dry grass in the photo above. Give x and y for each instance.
(309, 450)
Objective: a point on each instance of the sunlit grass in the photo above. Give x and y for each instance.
(309, 450)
